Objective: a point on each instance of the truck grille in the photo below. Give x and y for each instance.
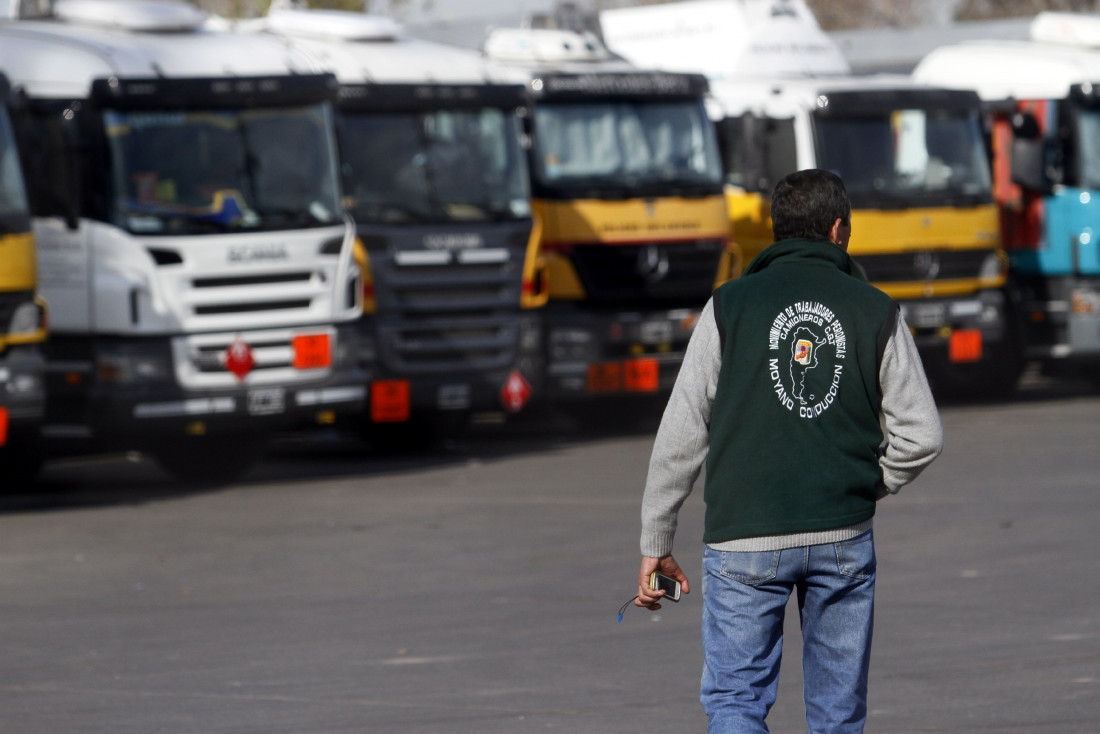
(925, 265)
(202, 357)
(262, 292)
(443, 312)
(679, 273)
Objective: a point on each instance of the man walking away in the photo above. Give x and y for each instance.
(802, 390)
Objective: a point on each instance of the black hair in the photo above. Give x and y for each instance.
(806, 203)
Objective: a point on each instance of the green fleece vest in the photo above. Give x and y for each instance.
(794, 431)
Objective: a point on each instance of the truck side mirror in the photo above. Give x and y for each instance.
(1029, 170)
(756, 152)
(1025, 126)
(1029, 154)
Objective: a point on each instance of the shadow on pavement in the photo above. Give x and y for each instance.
(121, 479)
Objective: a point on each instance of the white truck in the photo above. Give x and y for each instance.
(192, 242)
(435, 175)
(912, 156)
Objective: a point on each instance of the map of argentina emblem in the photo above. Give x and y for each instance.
(807, 346)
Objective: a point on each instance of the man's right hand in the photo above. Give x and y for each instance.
(650, 598)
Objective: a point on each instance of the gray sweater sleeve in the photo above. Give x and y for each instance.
(910, 422)
(682, 439)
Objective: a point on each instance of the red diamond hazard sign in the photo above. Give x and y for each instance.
(515, 393)
(238, 358)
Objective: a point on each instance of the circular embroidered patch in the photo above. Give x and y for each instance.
(806, 350)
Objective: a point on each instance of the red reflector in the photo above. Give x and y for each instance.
(605, 377)
(389, 401)
(965, 345)
(641, 375)
(312, 351)
(3, 426)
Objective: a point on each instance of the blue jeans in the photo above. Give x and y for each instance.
(744, 597)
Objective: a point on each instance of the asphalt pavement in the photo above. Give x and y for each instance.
(474, 589)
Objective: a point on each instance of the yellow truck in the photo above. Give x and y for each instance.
(913, 157)
(22, 316)
(626, 180)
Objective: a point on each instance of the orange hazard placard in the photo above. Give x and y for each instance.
(605, 377)
(965, 345)
(641, 375)
(389, 401)
(312, 351)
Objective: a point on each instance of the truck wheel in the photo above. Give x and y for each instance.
(218, 458)
(20, 464)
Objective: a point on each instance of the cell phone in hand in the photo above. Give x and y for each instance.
(671, 587)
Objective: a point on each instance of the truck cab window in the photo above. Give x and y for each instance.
(624, 143)
(906, 156)
(1088, 148)
(195, 171)
(439, 166)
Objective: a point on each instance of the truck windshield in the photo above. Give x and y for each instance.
(190, 172)
(914, 157)
(1088, 147)
(438, 166)
(14, 214)
(635, 147)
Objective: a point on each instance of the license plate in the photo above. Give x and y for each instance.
(266, 401)
(929, 315)
(453, 397)
(1086, 301)
(655, 332)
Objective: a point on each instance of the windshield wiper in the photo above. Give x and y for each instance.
(391, 212)
(291, 215)
(207, 220)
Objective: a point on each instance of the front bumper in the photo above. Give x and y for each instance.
(958, 329)
(95, 405)
(397, 396)
(22, 395)
(595, 354)
(1061, 318)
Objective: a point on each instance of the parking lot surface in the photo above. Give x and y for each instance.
(474, 589)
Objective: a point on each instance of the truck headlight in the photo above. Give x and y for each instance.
(993, 267)
(133, 364)
(28, 318)
(21, 384)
